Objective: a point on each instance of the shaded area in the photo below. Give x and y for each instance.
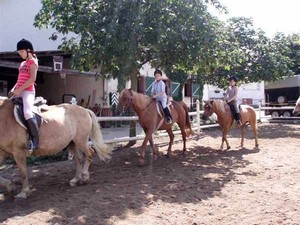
(121, 185)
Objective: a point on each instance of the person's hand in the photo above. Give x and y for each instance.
(10, 94)
(16, 92)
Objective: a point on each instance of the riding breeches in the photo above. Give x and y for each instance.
(28, 102)
(235, 106)
(163, 101)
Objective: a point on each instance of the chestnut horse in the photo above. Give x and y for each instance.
(225, 119)
(64, 126)
(296, 110)
(150, 120)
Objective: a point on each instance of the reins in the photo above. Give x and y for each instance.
(131, 101)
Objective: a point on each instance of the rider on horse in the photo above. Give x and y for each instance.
(25, 89)
(231, 98)
(158, 92)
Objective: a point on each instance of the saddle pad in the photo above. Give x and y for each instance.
(18, 114)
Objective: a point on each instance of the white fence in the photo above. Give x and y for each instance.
(195, 126)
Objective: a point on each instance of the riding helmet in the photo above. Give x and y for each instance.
(233, 78)
(24, 44)
(157, 71)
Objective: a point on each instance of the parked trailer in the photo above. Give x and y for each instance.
(282, 95)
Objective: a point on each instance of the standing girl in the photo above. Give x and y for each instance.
(231, 98)
(158, 91)
(25, 89)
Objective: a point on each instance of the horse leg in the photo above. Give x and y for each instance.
(142, 149)
(243, 135)
(171, 136)
(8, 184)
(254, 130)
(223, 138)
(154, 148)
(183, 134)
(86, 165)
(20, 158)
(78, 160)
(225, 132)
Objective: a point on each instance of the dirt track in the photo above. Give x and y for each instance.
(208, 186)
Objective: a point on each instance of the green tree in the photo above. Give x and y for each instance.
(118, 37)
(247, 53)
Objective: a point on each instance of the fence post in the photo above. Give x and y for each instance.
(73, 102)
(198, 115)
(259, 111)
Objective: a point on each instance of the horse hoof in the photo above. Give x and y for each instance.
(21, 196)
(11, 188)
(73, 182)
(155, 157)
(256, 145)
(141, 162)
(85, 179)
(168, 155)
(183, 153)
(228, 148)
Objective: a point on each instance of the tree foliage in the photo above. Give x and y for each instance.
(117, 37)
(247, 53)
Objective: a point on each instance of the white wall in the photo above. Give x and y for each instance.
(16, 22)
(251, 90)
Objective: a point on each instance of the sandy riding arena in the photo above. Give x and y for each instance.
(207, 186)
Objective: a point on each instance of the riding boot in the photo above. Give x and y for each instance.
(168, 115)
(33, 130)
(238, 118)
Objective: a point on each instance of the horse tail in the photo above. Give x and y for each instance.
(102, 149)
(188, 130)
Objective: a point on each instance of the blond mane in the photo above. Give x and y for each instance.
(3, 99)
(219, 105)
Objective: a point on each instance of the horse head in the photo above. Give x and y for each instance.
(208, 109)
(125, 99)
(296, 110)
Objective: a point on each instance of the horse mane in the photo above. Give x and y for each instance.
(3, 100)
(219, 104)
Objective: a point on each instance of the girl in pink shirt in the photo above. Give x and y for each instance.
(25, 89)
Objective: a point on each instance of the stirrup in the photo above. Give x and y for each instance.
(169, 120)
(31, 147)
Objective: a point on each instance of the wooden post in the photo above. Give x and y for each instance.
(198, 115)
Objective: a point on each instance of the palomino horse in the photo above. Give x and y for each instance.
(64, 126)
(296, 110)
(225, 118)
(150, 120)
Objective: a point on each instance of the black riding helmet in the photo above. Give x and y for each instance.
(157, 71)
(25, 44)
(233, 78)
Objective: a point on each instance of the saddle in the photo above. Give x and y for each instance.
(160, 110)
(39, 106)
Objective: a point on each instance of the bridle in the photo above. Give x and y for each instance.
(131, 102)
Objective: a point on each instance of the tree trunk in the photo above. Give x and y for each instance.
(132, 129)
(201, 83)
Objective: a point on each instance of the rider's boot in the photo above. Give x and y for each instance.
(34, 134)
(168, 115)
